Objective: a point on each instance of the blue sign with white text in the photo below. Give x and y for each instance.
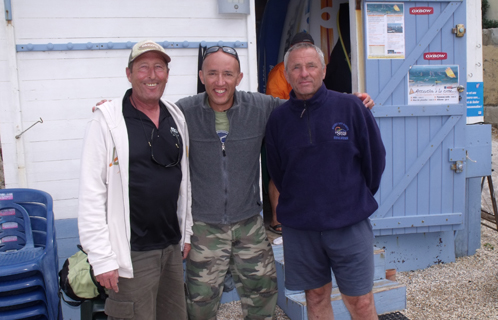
(475, 99)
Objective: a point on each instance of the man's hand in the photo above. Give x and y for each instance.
(99, 103)
(367, 100)
(186, 250)
(109, 280)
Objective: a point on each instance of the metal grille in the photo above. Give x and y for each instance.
(393, 316)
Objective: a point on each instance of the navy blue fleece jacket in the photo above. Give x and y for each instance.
(326, 157)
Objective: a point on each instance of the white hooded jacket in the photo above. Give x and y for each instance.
(104, 206)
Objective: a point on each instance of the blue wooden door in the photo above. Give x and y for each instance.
(423, 188)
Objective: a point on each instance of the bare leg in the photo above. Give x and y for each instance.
(361, 307)
(273, 194)
(319, 304)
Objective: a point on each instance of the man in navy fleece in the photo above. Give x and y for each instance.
(326, 157)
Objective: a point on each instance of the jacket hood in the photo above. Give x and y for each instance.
(112, 112)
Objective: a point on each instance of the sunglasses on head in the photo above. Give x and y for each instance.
(229, 50)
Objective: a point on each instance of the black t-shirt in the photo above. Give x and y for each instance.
(153, 187)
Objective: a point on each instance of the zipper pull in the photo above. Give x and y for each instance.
(223, 149)
(303, 110)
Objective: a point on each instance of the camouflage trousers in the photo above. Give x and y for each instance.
(241, 247)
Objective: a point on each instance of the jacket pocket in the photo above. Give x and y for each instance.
(119, 309)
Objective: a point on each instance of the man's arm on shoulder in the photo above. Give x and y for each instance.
(99, 103)
(366, 99)
(186, 104)
(270, 102)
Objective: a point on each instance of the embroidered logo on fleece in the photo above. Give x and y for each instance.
(340, 131)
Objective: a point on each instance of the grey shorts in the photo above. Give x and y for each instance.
(310, 256)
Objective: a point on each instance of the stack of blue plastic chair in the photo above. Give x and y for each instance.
(29, 287)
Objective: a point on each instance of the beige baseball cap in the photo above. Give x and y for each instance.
(146, 46)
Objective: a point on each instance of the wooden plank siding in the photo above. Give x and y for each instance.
(62, 86)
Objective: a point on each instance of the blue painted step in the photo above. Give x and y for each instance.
(389, 295)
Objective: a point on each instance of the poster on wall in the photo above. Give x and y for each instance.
(433, 84)
(385, 31)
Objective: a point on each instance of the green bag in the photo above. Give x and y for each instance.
(77, 281)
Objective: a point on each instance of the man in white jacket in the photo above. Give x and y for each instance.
(135, 199)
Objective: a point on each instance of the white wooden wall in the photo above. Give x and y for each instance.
(474, 47)
(62, 86)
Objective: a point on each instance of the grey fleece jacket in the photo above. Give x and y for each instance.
(225, 185)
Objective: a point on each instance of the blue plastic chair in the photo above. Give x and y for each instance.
(36, 255)
(21, 284)
(26, 298)
(11, 223)
(14, 234)
(38, 215)
(38, 311)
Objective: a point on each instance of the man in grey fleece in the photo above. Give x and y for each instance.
(226, 130)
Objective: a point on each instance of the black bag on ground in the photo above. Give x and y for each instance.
(77, 281)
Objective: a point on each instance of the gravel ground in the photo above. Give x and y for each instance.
(465, 289)
(232, 311)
